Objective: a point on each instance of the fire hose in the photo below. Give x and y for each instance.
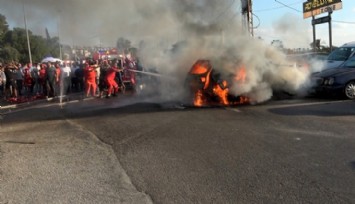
(148, 73)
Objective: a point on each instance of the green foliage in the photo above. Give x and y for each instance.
(15, 46)
(9, 54)
(17, 39)
(4, 27)
(39, 48)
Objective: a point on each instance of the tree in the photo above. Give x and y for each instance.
(123, 45)
(40, 46)
(17, 39)
(4, 26)
(53, 47)
(9, 54)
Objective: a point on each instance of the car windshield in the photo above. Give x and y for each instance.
(350, 63)
(341, 54)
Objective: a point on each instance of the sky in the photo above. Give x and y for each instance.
(272, 20)
(270, 14)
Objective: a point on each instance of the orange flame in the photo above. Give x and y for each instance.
(198, 101)
(222, 93)
(244, 100)
(241, 74)
(207, 87)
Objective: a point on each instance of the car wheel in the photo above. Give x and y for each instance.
(350, 90)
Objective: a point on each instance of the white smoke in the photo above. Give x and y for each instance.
(171, 35)
(292, 30)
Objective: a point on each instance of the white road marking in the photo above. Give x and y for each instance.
(306, 103)
(234, 109)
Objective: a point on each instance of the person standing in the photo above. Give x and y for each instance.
(35, 79)
(27, 78)
(42, 80)
(74, 79)
(2, 82)
(57, 78)
(66, 78)
(79, 74)
(98, 74)
(51, 80)
(110, 79)
(11, 82)
(102, 82)
(90, 79)
(19, 79)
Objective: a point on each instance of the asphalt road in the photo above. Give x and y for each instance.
(291, 151)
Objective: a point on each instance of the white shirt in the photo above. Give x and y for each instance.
(65, 71)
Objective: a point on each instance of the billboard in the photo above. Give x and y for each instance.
(316, 7)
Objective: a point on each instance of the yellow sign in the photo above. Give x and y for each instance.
(316, 7)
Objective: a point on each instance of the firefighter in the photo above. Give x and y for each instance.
(110, 79)
(90, 78)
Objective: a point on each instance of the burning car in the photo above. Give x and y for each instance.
(206, 87)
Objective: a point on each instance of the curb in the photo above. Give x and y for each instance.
(64, 99)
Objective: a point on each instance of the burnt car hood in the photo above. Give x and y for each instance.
(334, 72)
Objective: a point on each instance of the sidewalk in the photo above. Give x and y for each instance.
(68, 165)
(58, 161)
(6, 105)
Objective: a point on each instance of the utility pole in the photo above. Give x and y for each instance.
(28, 39)
(60, 46)
(314, 34)
(247, 13)
(330, 11)
(58, 29)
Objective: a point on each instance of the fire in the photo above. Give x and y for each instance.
(241, 74)
(208, 88)
(244, 100)
(198, 100)
(222, 93)
(199, 69)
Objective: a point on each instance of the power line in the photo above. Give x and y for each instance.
(347, 22)
(227, 8)
(287, 6)
(255, 27)
(279, 7)
(269, 9)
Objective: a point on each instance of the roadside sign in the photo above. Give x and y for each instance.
(321, 20)
(316, 7)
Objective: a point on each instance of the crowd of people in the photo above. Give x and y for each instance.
(94, 78)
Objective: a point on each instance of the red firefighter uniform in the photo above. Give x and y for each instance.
(110, 80)
(90, 80)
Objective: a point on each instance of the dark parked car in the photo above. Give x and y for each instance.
(336, 81)
(340, 55)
